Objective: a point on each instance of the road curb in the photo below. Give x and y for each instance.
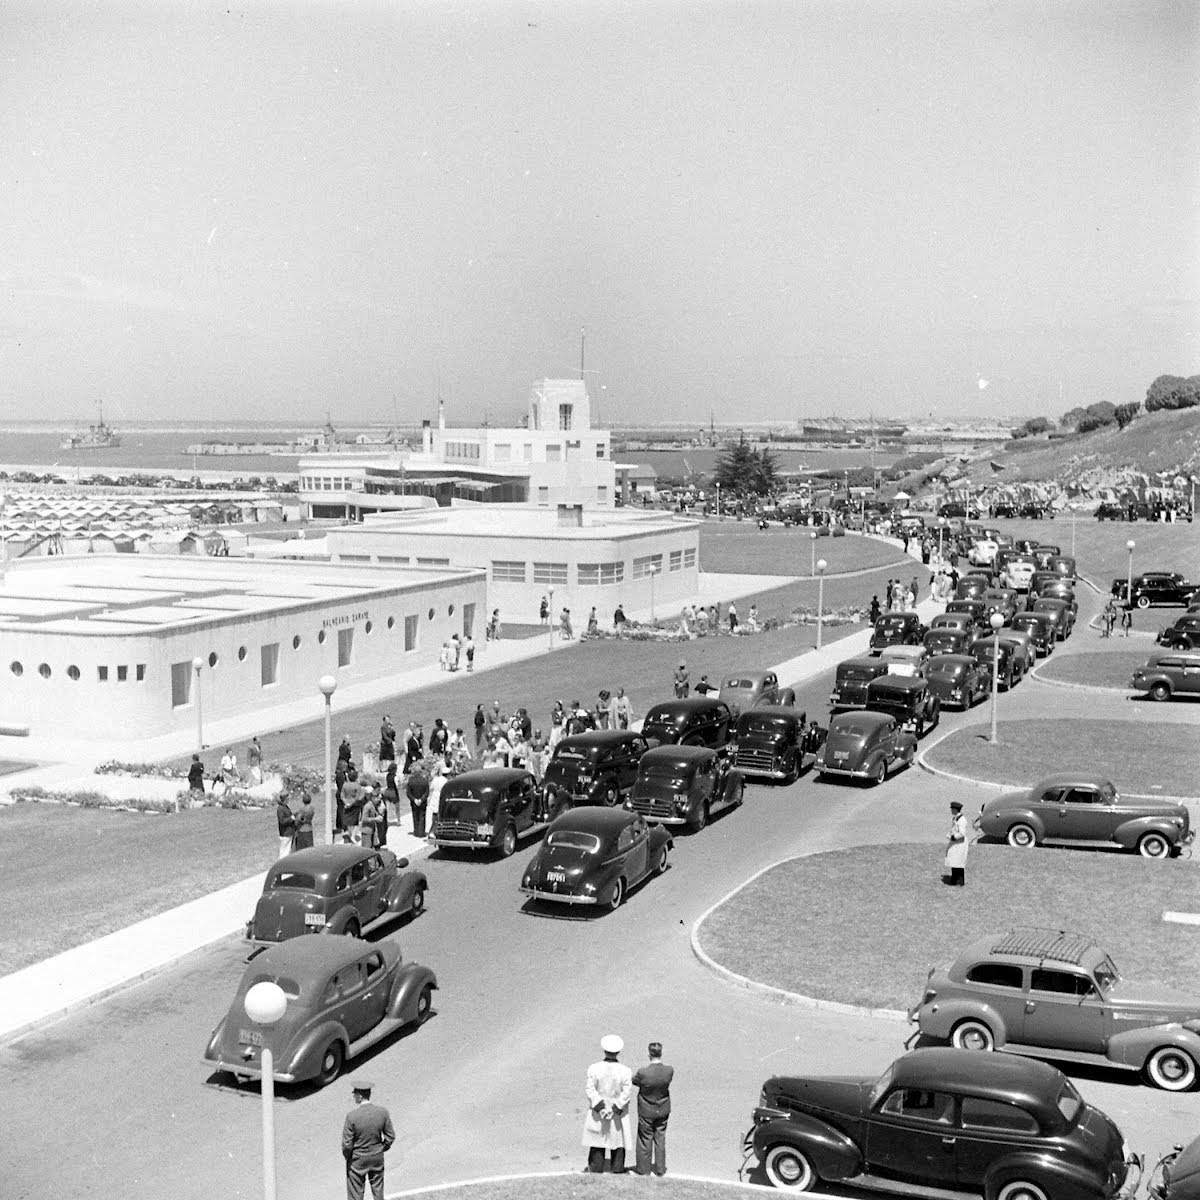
(435, 1188)
(769, 990)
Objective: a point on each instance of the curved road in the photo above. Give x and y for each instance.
(113, 1101)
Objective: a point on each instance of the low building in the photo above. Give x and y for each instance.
(103, 647)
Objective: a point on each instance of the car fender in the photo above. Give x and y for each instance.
(833, 1154)
(1064, 1179)
(1132, 1047)
(906, 746)
(1128, 832)
(406, 988)
(950, 1012)
(660, 836)
(303, 1057)
(998, 824)
(340, 919)
(403, 887)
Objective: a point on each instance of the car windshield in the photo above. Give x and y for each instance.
(572, 839)
(855, 731)
(301, 881)
(882, 1085)
(759, 724)
(1106, 974)
(747, 684)
(1069, 1102)
(570, 755)
(289, 986)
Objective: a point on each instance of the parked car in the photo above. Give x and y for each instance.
(685, 785)
(957, 680)
(1110, 512)
(864, 745)
(907, 698)
(982, 552)
(897, 629)
(1039, 628)
(1183, 635)
(1064, 564)
(696, 721)
(1059, 612)
(1021, 641)
(344, 996)
(1059, 589)
(1086, 808)
(1156, 587)
(1054, 994)
(963, 622)
(595, 856)
(597, 767)
(1018, 572)
(945, 1123)
(1176, 1176)
(983, 651)
(747, 689)
(904, 660)
(489, 809)
(850, 682)
(1002, 600)
(972, 587)
(335, 889)
(947, 640)
(975, 609)
(1044, 556)
(1175, 673)
(771, 742)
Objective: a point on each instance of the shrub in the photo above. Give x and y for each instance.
(140, 770)
(83, 798)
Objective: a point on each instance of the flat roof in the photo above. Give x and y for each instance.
(516, 520)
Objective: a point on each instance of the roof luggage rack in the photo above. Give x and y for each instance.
(1032, 942)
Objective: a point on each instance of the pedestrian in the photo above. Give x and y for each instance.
(957, 846)
(229, 771)
(303, 838)
(682, 681)
(753, 620)
(564, 622)
(914, 590)
(339, 782)
(495, 625)
(619, 618)
(387, 741)
(653, 1083)
(1126, 620)
(890, 595)
(1110, 618)
(623, 709)
(704, 687)
(469, 650)
(607, 1124)
(369, 819)
(417, 791)
(286, 820)
(391, 790)
(873, 610)
(714, 617)
(254, 762)
(456, 652)
(593, 625)
(480, 720)
(367, 1136)
(544, 611)
(343, 753)
(733, 617)
(352, 805)
(412, 748)
(444, 656)
(603, 708)
(196, 775)
(439, 738)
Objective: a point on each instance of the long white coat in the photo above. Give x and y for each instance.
(959, 843)
(609, 1084)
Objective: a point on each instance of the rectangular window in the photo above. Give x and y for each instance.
(504, 571)
(393, 558)
(141, 672)
(553, 574)
(601, 494)
(181, 683)
(528, 452)
(647, 565)
(102, 675)
(122, 674)
(588, 574)
(544, 497)
(410, 632)
(675, 561)
(345, 647)
(433, 562)
(269, 663)
(613, 572)
(689, 557)
(593, 574)
(502, 452)
(355, 558)
(599, 449)
(554, 452)
(564, 415)
(468, 616)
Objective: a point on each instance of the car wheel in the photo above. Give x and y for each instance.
(424, 1004)
(1154, 845)
(418, 902)
(879, 774)
(789, 1168)
(353, 929)
(508, 842)
(700, 819)
(333, 1058)
(1160, 691)
(618, 895)
(972, 1035)
(1022, 836)
(1171, 1069)
(788, 699)
(735, 790)
(661, 865)
(611, 796)
(1143, 602)
(1019, 1189)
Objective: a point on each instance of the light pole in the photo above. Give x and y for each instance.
(1074, 517)
(1129, 545)
(995, 621)
(718, 501)
(552, 616)
(821, 565)
(941, 532)
(653, 572)
(328, 685)
(812, 556)
(197, 663)
(265, 1003)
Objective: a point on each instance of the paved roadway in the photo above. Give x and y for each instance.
(113, 1101)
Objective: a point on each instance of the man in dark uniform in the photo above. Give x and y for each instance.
(366, 1135)
(653, 1083)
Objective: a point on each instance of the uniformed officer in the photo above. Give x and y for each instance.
(958, 844)
(366, 1135)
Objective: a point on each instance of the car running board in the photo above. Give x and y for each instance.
(1078, 1056)
(384, 1029)
(881, 1183)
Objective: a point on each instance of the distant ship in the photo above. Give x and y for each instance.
(95, 437)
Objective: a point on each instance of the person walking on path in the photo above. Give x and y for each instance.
(352, 806)
(369, 821)
(622, 709)
(417, 790)
(733, 617)
(619, 618)
(564, 625)
(1110, 619)
(254, 761)
(196, 775)
(303, 838)
(607, 1124)
(593, 625)
(653, 1083)
(367, 1136)
(286, 821)
(391, 790)
(682, 681)
(480, 720)
(873, 611)
(469, 651)
(1126, 620)
(957, 845)
(229, 771)
(890, 595)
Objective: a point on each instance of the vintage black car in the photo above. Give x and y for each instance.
(1156, 587)
(337, 889)
(961, 621)
(908, 698)
(946, 640)
(1003, 600)
(864, 745)
(749, 689)
(897, 629)
(685, 785)
(1040, 630)
(595, 856)
(1168, 673)
(1060, 612)
(771, 742)
(942, 1122)
(1176, 1176)
(975, 609)
(972, 587)
(489, 809)
(593, 768)
(957, 680)
(1183, 635)
(1064, 564)
(344, 996)
(850, 681)
(1003, 661)
(696, 721)
(1059, 589)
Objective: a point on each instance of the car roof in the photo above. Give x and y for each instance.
(598, 737)
(320, 861)
(861, 660)
(679, 755)
(774, 710)
(904, 616)
(490, 777)
(1160, 656)
(897, 683)
(860, 716)
(753, 676)
(1040, 945)
(311, 954)
(593, 819)
(902, 652)
(1022, 1081)
(1070, 779)
(689, 705)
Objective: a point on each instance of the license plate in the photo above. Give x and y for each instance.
(556, 876)
(249, 1037)
(841, 755)
(317, 919)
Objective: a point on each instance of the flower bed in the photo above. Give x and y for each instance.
(633, 631)
(140, 770)
(89, 798)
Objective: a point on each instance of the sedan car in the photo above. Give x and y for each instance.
(1059, 612)
(957, 680)
(904, 660)
(907, 698)
(489, 809)
(946, 640)
(1005, 601)
(1039, 629)
(1018, 572)
(597, 767)
(972, 587)
(993, 654)
(344, 996)
(1021, 642)
(864, 745)
(961, 621)
(771, 742)
(943, 1123)
(1177, 1174)
(1176, 673)
(696, 721)
(897, 629)
(850, 681)
(1053, 994)
(595, 856)
(686, 785)
(747, 689)
(1156, 587)
(335, 889)
(1088, 809)
(975, 609)
(1183, 635)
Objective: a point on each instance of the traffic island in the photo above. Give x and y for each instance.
(578, 1186)
(862, 927)
(1150, 759)
(1109, 670)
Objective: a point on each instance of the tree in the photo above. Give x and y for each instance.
(1124, 413)
(1173, 391)
(766, 473)
(1033, 426)
(737, 468)
(1071, 418)
(1096, 416)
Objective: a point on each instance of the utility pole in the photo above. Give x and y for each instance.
(582, 343)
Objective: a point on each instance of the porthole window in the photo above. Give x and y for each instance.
(296, 642)
(431, 614)
(391, 622)
(321, 638)
(212, 659)
(16, 669)
(450, 611)
(44, 670)
(368, 627)
(241, 654)
(73, 672)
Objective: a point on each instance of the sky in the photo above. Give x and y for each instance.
(759, 211)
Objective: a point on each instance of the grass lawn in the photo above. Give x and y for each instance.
(589, 1187)
(864, 926)
(95, 871)
(1148, 759)
(10, 766)
(1110, 669)
(741, 548)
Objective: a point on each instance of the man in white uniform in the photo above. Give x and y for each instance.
(608, 1125)
(958, 845)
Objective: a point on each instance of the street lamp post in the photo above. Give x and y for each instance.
(821, 565)
(328, 685)
(1074, 517)
(653, 572)
(265, 1003)
(941, 533)
(812, 556)
(197, 663)
(1129, 545)
(552, 616)
(718, 501)
(995, 621)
